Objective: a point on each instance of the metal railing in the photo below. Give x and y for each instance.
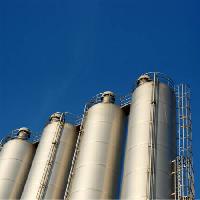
(72, 119)
(161, 77)
(34, 137)
(125, 100)
(119, 100)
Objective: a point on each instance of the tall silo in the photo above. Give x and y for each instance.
(15, 161)
(50, 169)
(151, 140)
(97, 168)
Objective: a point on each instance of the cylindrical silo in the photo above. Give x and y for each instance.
(151, 140)
(51, 166)
(97, 168)
(15, 161)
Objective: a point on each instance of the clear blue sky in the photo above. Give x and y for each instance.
(56, 54)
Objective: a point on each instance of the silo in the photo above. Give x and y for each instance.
(97, 167)
(50, 169)
(15, 161)
(151, 140)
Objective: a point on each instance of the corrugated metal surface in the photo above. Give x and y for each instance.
(97, 168)
(138, 169)
(15, 161)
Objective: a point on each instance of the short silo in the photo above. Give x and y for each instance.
(15, 161)
(51, 166)
(151, 140)
(97, 168)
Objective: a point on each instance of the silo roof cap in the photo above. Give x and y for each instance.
(143, 78)
(108, 97)
(56, 116)
(108, 93)
(23, 133)
(24, 129)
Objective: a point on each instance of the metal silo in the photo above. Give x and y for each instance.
(50, 169)
(97, 163)
(15, 161)
(151, 142)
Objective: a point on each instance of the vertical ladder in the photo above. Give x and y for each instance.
(81, 131)
(174, 178)
(51, 158)
(185, 175)
(153, 136)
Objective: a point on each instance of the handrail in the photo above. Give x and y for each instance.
(161, 77)
(34, 137)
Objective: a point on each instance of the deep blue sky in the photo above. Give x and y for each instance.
(56, 54)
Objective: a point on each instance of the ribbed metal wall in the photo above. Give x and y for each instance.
(151, 143)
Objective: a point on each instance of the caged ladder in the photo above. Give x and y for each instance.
(183, 165)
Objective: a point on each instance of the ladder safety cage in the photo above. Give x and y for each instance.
(184, 184)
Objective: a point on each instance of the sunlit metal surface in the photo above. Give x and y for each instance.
(96, 171)
(15, 161)
(151, 142)
(50, 182)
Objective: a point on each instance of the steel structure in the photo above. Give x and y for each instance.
(82, 157)
(183, 165)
